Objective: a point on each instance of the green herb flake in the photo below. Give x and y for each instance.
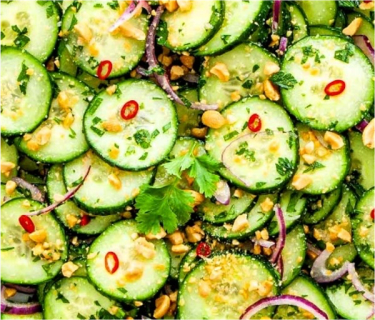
(344, 54)
(21, 40)
(243, 150)
(73, 22)
(284, 80)
(72, 134)
(79, 316)
(230, 135)
(255, 67)
(142, 138)
(2, 35)
(7, 249)
(283, 166)
(50, 11)
(247, 84)
(225, 38)
(113, 5)
(122, 290)
(23, 78)
(98, 5)
(144, 156)
(61, 297)
(259, 184)
(314, 166)
(167, 127)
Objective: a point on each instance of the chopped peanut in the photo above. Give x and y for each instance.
(162, 306)
(115, 181)
(238, 193)
(111, 126)
(68, 269)
(194, 233)
(345, 235)
(170, 5)
(38, 236)
(213, 119)
(363, 231)
(368, 135)
(309, 147)
(330, 247)
(68, 120)
(187, 61)
(204, 288)
(353, 27)
(267, 205)
(43, 136)
(93, 49)
(198, 197)
(144, 248)
(10, 187)
(134, 271)
(83, 31)
(308, 158)
(9, 292)
(129, 31)
(264, 234)
(114, 152)
(271, 91)
(334, 140)
(199, 133)
(177, 72)
(176, 238)
(240, 223)
(265, 288)
(301, 181)
(270, 68)
(235, 96)
(185, 5)
(72, 220)
(366, 5)
(180, 248)
(160, 235)
(221, 71)
(111, 89)
(113, 310)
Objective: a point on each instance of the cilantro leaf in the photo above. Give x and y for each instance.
(349, 3)
(23, 78)
(179, 164)
(314, 166)
(166, 205)
(284, 80)
(344, 54)
(283, 166)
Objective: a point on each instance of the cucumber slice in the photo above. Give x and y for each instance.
(31, 26)
(298, 21)
(68, 213)
(240, 20)
(138, 143)
(77, 298)
(214, 212)
(307, 100)
(340, 255)
(329, 229)
(181, 30)
(350, 303)
(26, 101)
(176, 259)
(66, 63)
(32, 316)
(293, 205)
(19, 264)
(123, 284)
(276, 126)
(6, 197)
(188, 263)
(305, 287)
(363, 228)
(257, 219)
(225, 294)
(322, 30)
(89, 42)
(245, 64)
(366, 28)
(107, 190)
(9, 160)
(362, 160)
(188, 118)
(66, 140)
(324, 14)
(293, 254)
(329, 168)
(320, 206)
(341, 21)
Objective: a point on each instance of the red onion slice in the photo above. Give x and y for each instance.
(129, 13)
(36, 194)
(284, 300)
(276, 15)
(321, 274)
(313, 249)
(364, 44)
(283, 45)
(372, 313)
(362, 125)
(280, 244)
(358, 284)
(222, 193)
(263, 243)
(280, 266)
(204, 107)
(24, 289)
(66, 197)
(17, 308)
(319, 135)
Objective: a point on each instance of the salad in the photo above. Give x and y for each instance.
(187, 159)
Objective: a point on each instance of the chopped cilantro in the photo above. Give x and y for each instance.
(284, 80)
(61, 297)
(255, 67)
(225, 38)
(23, 78)
(247, 84)
(230, 135)
(142, 138)
(167, 127)
(243, 150)
(314, 166)
(283, 166)
(344, 54)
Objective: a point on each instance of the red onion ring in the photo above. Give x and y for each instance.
(362, 125)
(66, 197)
(284, 300)
(280, 244)
(283, 45)
(17, 308)
(263, 243)
(129, 13)
(320, 138)
(141, 71)
(280, 266)
(321, 274)
(24, 289)
(313, 249)
(36, 194)
(362, 42)
(358, 284)
(222, 193)
(372, 313)
(276, 15)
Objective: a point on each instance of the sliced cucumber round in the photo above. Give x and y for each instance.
(9, 161)
(66, 63)
(37, 315)
(107, 190)
(181, 30)
(240, 20)
(322, 30)
(89, 41)
(137, 277)
(326, 14)
(314, 63)
(176, 259)
(60, 138)
(245, 64)
(363, 228)
(324, 168)
(218, 287)
(188, 263)
(31, 25)
(299, 22)
(340, 255)
(253, 170)
(20, 262)
(366, 28)
(68, 213)
(137, 143)
(26, 92)
(77, 298)
(6, 197)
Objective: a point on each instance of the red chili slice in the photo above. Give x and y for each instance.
(26, 223)
(85, 220)
(129, 110)
(111, 262)
(334, 88)
(104, 69)
(203, 250)
(255, 123)
(372, 214)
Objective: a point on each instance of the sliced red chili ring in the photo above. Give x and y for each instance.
(104, 69)
(111, 262)
(85, 220)
(203, 250)
(26, 223)
(129, 110)
(334, 88)
(255, 123)
(372, 214)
